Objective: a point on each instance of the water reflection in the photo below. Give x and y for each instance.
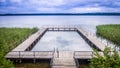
(70, 41)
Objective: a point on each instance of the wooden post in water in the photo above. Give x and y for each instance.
(34, 60)
(19, 57)
(53, 52)
(57, 53)
(101, 39)
(107, 42)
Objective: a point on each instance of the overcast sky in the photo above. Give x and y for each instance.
(58, 6)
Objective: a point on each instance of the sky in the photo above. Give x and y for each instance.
(58, 6)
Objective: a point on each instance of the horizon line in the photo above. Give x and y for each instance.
(98, 13)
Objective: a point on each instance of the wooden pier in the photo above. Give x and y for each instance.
(59, 59)
(31, 40)
(91, 40)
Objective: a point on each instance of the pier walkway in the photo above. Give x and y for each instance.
(92, 40)
(63, 59)
(30, 40)
(59, 59)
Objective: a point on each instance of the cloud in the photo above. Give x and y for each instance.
(47, 3)
(16, 1)
(117, 3)
(60, 6)
(88, 9)
(93, 9)
(2, 0)
(45, 9)
(63, 41)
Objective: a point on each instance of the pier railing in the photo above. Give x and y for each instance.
(62, 29)
(51, 61)
(88, 54)
(30, 54)
(61, 26)
(83, 54)
(48, 54)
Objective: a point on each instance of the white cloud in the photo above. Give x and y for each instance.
(16, 1)
(92, 9)
(70, 5)
(62, 6)
(117, 3)
(85, 9)
(45, 9)
(48, 3)
(109, 9)
(2, 0)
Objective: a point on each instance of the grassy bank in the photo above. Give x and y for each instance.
(9, 39)
(110, 32)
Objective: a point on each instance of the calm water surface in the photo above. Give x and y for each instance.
(87, 22)
(65, 41)
(62, 40)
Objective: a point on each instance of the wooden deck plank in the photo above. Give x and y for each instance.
(97, 43)
(83, 55)
(64, 60)
(23, 46)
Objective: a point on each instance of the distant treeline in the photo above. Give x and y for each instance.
(45, 14)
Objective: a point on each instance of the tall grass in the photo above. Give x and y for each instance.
(110, 32)
(9, 39)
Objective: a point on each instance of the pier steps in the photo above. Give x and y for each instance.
(64, 59)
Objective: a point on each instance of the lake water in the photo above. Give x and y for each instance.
(63, 40)
(88, 23)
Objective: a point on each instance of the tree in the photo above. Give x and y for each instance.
(107, 60)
